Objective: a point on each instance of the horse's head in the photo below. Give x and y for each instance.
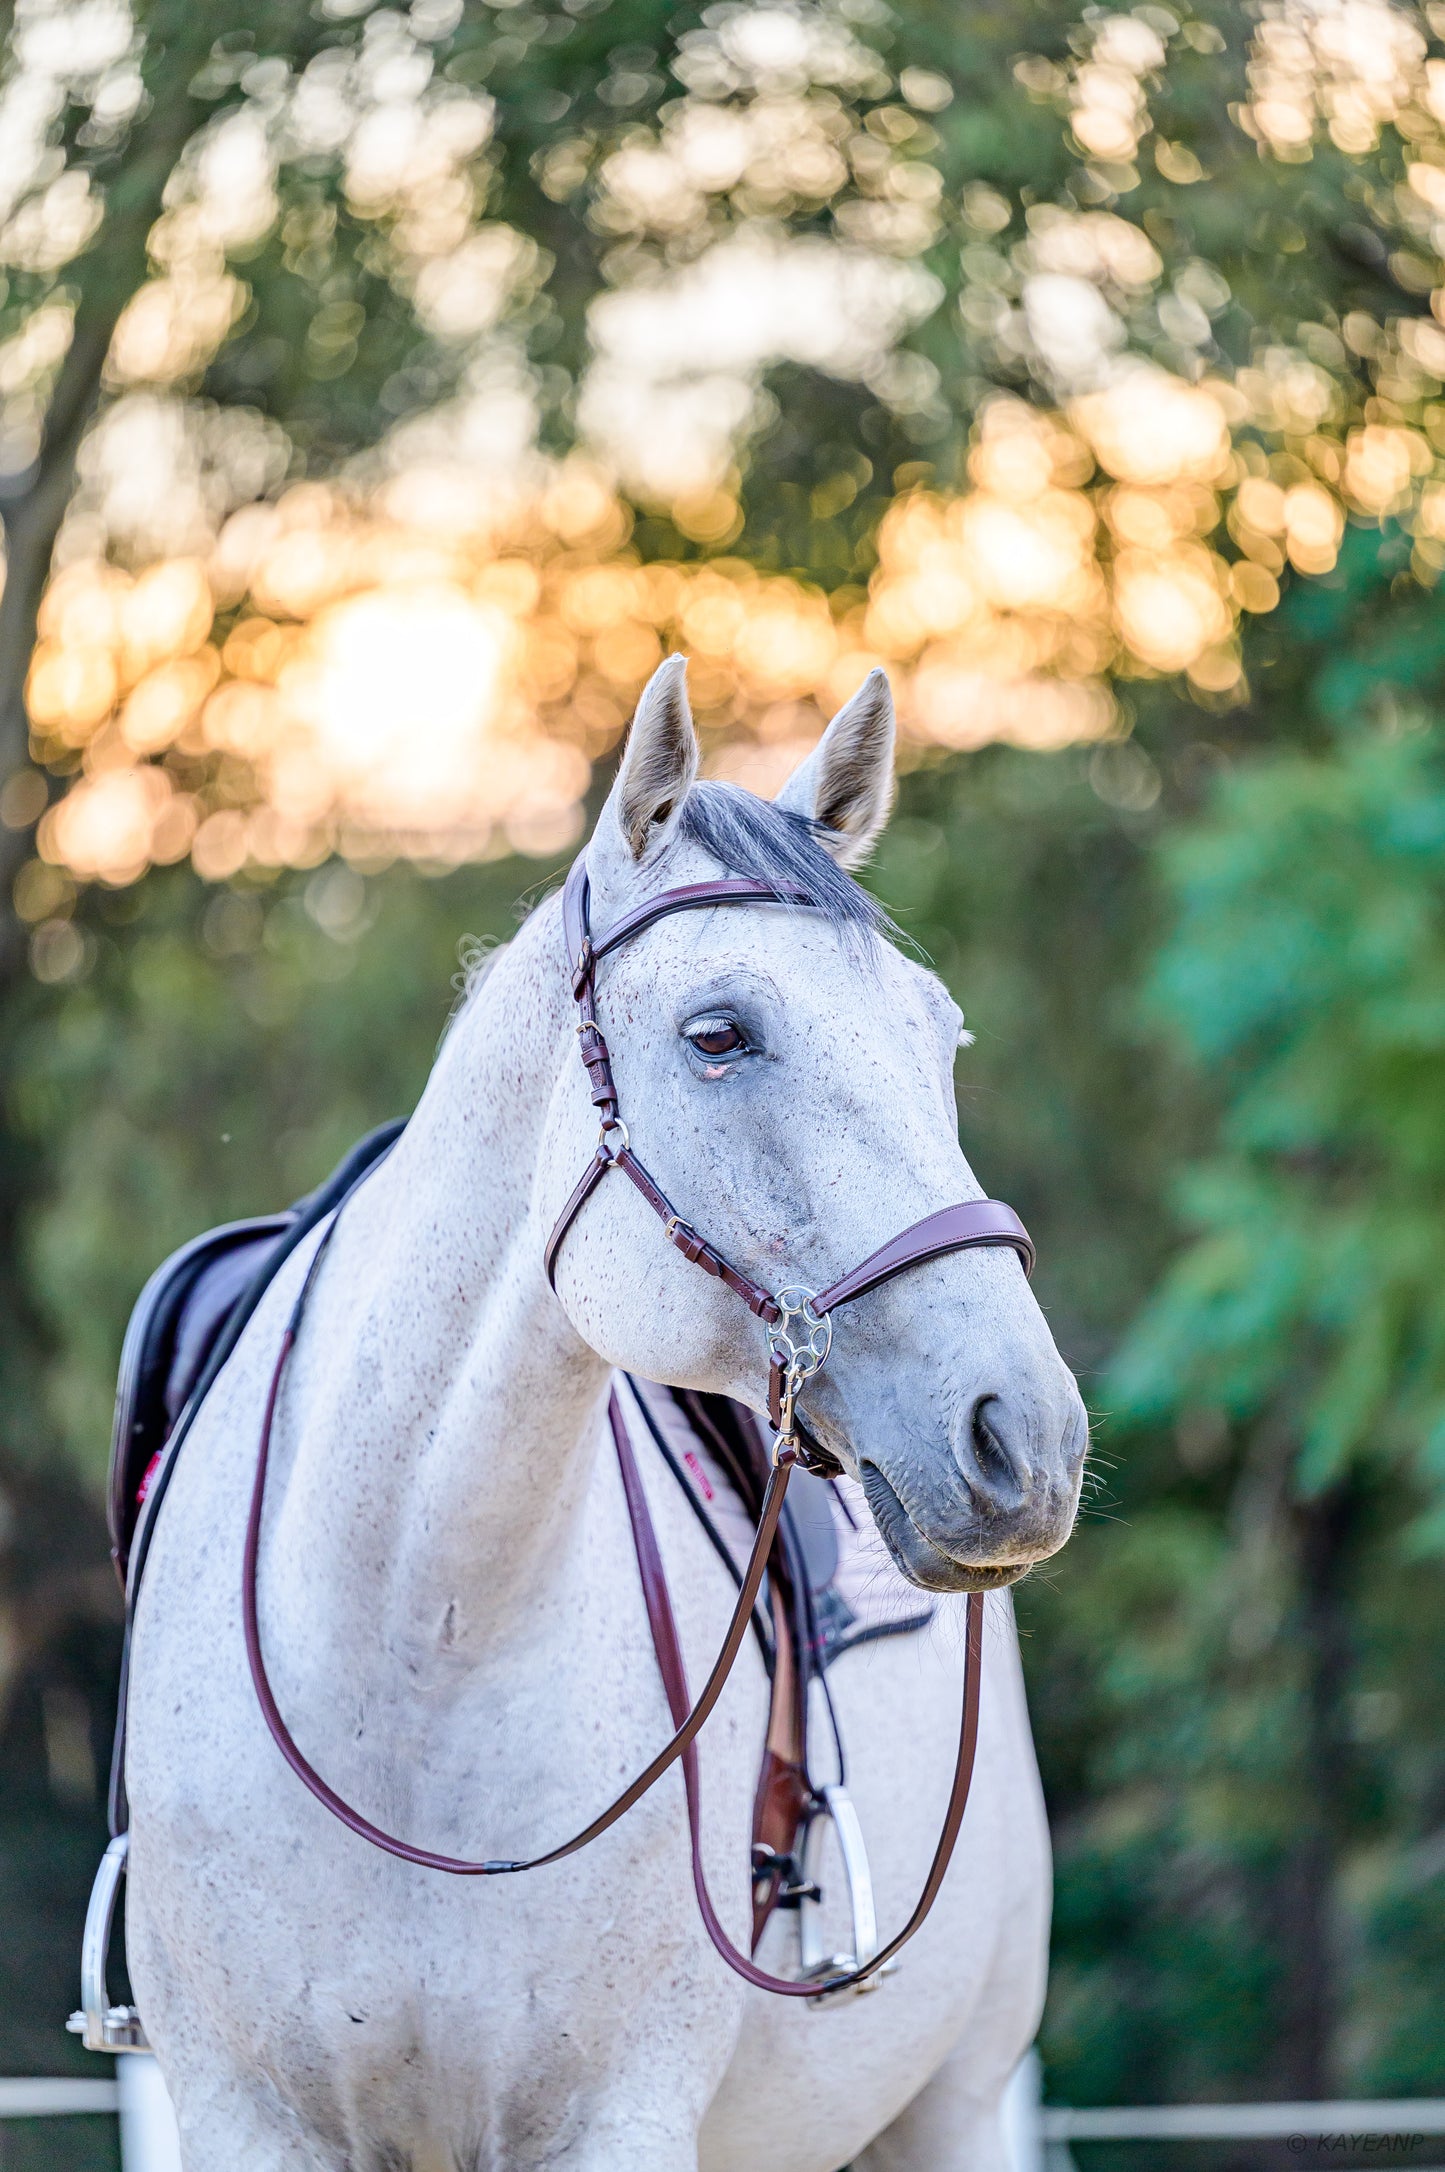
(787, 1077)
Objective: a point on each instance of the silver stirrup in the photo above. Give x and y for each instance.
(837, 1810)
(101, 2026)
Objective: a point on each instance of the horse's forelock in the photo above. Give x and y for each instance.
(751, 837)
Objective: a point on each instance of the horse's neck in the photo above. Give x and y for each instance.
(442, 1410)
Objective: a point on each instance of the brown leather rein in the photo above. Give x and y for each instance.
(799, 1323)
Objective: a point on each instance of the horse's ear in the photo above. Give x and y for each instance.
(846, 784)
(659, 763)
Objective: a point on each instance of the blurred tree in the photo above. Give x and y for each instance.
(226, 1051)
(1306, 970)
(767, 266)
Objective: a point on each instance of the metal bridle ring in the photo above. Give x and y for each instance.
(611, 1124)
(803, 1354)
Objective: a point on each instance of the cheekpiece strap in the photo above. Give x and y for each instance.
(614, 1149)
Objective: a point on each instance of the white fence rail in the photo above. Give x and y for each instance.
(1389, 2130)
(45, 2099)
(148, 2138)
(1412, 2117)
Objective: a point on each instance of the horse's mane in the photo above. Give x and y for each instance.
(476, 955)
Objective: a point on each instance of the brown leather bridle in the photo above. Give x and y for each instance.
(798, 1320)
(799, 1323)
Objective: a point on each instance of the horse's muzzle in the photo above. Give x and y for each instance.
(1001, 1503)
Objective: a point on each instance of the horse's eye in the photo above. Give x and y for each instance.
(717, 1037)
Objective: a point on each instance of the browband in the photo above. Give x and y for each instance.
(689, 897)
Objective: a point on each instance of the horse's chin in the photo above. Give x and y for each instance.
(918, 1558)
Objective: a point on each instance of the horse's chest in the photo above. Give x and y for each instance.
(489, 2022)
(383, 1999)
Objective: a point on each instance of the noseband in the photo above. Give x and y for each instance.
(799, 1327)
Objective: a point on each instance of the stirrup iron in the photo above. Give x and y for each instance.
(101, 2026)
(835, 1808)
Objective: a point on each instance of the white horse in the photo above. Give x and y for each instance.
(451, 1610)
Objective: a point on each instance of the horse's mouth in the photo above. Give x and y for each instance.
(917, 1557)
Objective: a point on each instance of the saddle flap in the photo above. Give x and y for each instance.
(173, 1329)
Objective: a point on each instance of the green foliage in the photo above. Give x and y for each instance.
(1027, 892)
(1306, 968)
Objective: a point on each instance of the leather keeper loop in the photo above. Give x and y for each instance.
(692, 1246)
(775, 1393)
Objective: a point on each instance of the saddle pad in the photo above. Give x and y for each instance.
(858, 1594)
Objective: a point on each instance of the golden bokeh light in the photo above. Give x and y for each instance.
(1170, 606)
(432, 671)
(1352, 64)
(428, 654)
(1381, 464)
(1148, 427)
(162, 704)
(107, 826)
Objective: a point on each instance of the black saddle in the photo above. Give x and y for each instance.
(187, 1321)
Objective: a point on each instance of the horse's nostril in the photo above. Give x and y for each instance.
(987, 1446)
(997, 1466)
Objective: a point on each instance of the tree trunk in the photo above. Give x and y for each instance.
(108, 274)
(1309, 1957)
